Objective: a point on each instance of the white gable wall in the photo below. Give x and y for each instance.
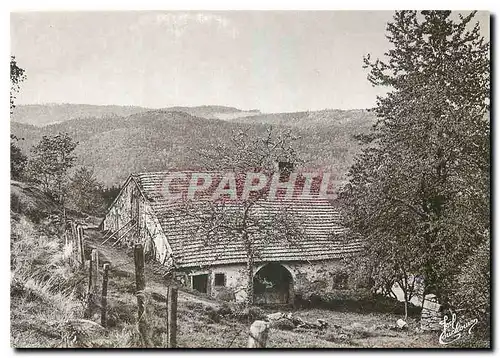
(120, 213)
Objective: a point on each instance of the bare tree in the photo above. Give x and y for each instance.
(250, 223)
(245, 150)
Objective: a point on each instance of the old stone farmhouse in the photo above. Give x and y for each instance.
(143, 212)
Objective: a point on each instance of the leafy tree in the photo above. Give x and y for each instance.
(50, 162)
(48, 167)
(474, 284)
(419, 192)
(85, 192)
(17, 75)
(109, 194)
(17, 158)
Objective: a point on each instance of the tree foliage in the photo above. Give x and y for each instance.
(50, 162)
(17, 75)
(110, 194)
(85, 193)
(473, 290)
(419, 192)
(17, 158)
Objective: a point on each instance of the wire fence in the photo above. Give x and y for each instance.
(89, 264)
(75, 249)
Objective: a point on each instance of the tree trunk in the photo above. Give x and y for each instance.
(406, 308)
(403, 285)
(249, 300)
(423, 296)
(250, 258)
(63, 219)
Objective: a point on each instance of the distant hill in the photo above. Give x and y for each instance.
(337, 117)
(45, 114)
(220, 112)
(152, 140)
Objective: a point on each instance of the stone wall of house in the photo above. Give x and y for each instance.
(234, 288)
(304, 275)
(316, 275)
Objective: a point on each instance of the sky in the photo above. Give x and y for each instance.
(279, 61)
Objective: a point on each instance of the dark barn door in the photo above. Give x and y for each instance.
(200, 283)
(273, 284)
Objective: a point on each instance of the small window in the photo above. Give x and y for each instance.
(340, 281)
(220, 279)
(200, 283)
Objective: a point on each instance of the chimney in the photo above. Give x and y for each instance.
(285, 168)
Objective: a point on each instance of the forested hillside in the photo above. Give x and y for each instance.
(116, 146)
(44, 114)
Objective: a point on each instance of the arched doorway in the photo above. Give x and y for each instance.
(273, 284)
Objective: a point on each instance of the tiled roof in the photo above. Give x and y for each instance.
(319, 219)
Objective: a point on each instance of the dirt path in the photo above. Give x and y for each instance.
(122, 264)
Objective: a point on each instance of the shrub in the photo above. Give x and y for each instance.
(354, 301)
(212, 314)
(18, 159)
(225, 309)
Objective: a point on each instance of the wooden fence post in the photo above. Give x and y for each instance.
(259, 331)
(140, 284)
(65, 228)
(68, 247)
(76, 250)
(76, 243)
(104, 295)
(167, 308)
(81, 245)
(91, 286)
(172, 317)
(95, 271)
(73, 233)
(77, 238)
